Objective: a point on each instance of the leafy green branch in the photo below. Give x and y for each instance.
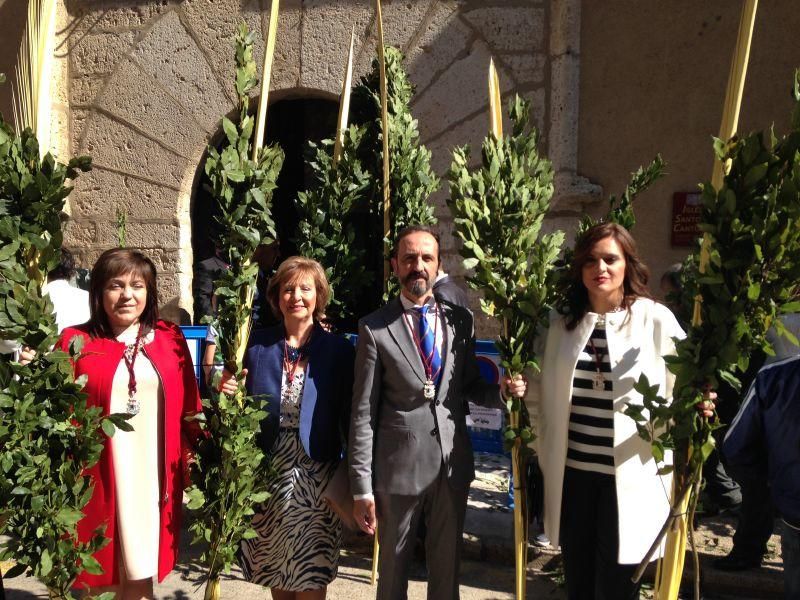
(230, 474)
(327, 229)
(498, 211)
(750, 278)
(411, 177)
(49, 436)
(620, 210)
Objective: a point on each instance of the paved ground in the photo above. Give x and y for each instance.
(480, 581)
(487, 569)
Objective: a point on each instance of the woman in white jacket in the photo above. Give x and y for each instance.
(604, 500)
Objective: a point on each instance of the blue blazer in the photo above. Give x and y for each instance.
(327, 393)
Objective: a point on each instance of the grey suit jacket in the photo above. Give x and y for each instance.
(398, 439)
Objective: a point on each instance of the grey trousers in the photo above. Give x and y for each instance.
(444, 509)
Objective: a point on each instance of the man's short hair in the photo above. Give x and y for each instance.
(65, 268)
(408, 230)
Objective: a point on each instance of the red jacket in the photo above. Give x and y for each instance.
(170, 356)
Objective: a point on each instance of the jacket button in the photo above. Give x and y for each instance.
(166, 497)
(434, 431)
(438, 402)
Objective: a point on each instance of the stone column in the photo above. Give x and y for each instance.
(573, 193)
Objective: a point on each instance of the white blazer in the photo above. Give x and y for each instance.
(636, 345)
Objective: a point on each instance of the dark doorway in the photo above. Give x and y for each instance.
(292, 124)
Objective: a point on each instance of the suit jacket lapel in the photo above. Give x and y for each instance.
(447, 355)
(398, 328)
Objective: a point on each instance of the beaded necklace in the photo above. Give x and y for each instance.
(292, 356)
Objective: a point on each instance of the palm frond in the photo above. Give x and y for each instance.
(31, 92)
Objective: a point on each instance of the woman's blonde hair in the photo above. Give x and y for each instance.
(290, 271)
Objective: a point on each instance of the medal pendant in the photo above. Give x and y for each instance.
(598, 382)
(133, 406)
(429, 390)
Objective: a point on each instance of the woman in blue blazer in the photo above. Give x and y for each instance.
(307, 374)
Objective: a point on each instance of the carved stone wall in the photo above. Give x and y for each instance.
(144, 84)
(143, 87)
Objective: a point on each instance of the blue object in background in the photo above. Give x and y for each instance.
(483, 440)
(487, 440)
(196, 339)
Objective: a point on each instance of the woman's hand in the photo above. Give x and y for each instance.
(228, 383)
(188, 460)
(515, 387)
(707, 406)
(26, 355)
(325, 323)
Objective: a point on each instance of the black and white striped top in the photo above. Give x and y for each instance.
(591, 420)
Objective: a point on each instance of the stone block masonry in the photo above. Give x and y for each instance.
(149, 84)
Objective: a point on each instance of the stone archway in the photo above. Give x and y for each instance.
(292, 122)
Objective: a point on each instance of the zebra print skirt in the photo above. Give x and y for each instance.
(299, 537)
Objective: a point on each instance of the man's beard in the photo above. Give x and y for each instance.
(416, 286)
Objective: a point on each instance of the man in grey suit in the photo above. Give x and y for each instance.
(409, 449)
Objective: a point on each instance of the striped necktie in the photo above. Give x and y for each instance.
(427, 342)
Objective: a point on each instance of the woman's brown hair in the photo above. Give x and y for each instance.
(290, 271)
(114, 263)
(636, 273)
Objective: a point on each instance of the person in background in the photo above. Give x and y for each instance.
(211, 269)
(756, 521)
(672, 289)
(81, 278)
(70, 303)
(604, 500)
(409, 449)
(265, 256)
(138, 364)
(205, 274)
(445, 288)
(765, 435)
(309, 374)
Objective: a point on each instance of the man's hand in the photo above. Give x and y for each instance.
(364, 514)
(515, 387)
(707, 406)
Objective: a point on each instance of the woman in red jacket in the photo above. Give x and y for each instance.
(140, 365)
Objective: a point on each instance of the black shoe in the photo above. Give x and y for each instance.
(733, 562)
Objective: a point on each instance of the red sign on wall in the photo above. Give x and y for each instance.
(686, 209)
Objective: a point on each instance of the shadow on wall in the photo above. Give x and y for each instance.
(147, 142)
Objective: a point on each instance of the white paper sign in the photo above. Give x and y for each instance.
(194, 350)
(484, 418)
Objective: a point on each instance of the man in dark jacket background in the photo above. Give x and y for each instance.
(445, 288)
(766, 434)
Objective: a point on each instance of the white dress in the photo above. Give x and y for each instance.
(137, 458)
